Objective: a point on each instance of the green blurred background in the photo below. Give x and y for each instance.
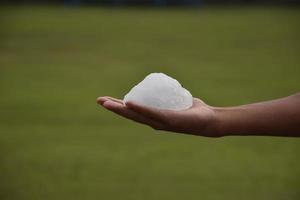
(56, 143)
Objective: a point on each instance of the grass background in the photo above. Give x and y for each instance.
(56, 143)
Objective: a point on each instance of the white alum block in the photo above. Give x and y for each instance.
(160, 91)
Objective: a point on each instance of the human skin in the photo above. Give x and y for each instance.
(280, 117)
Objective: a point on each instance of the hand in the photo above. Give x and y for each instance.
(198, 120)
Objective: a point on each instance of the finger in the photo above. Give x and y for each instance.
(116, 100)
(197, 101)
(101, 100)
(129, 114)
(152, 113)
(123, 111)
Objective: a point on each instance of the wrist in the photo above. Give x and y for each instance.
(215, 127)
(219, 121)
(230, 120)
(226, 120)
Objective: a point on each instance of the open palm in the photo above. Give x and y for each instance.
(196, 120)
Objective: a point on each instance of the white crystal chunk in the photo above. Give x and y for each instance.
(160, 91)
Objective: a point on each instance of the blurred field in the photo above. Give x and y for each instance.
(56, 143)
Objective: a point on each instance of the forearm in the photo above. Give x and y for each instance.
(271, 118)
